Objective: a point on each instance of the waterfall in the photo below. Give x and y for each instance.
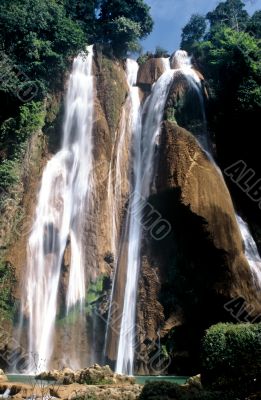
(65, 191)
(145, 137)
(251, 251)
(118, 169)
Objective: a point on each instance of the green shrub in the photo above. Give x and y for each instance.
(161, 390)
(98, 381)
(231, 357)
(31, 119)
(7, 281)
(9, 174)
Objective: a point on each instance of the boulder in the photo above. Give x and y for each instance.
(3, 377)
(149, 73)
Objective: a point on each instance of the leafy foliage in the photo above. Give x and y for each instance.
(231, 356)
(194, 31)
(230, 13)
(162, 390)
(7, 281)
(135, 10)
(123, 33)
(161, 52)
(42, 42)
(122, 23)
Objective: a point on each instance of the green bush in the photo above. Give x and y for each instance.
(9, 174)
(7, 281)
(231, 357)
(161, 390)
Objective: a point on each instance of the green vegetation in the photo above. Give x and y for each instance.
(160, 391)
(14, 133)
(122, 23)
(231, 357)
(94, 292)
(171, 391)
(98, 381)
(38, 39)
(7, 282)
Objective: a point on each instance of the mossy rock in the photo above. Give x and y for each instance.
(112, 90)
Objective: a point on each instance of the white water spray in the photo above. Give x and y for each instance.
(251, 252)
(64, 194)
(144, 141)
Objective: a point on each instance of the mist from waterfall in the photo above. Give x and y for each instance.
(65, 191)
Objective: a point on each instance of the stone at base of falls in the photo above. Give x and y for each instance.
(70, 392)
(195, 382)
(94, 375)
(3, 377)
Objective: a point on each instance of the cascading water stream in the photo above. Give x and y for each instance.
(144, 141)
(251, 251)
(115, 189)
(65, 191)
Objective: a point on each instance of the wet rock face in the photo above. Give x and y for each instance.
(149, 73)
(201, 264)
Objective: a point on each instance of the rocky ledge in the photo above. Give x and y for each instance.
(70, 392)
(94, 375)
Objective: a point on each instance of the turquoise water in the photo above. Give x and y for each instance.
(29, 379)
(141, 380)
(174, 379)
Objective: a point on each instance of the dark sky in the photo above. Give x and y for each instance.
(170, 16)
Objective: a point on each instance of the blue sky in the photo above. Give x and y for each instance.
(170, 16)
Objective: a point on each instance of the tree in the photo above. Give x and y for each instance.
(123, 34)
(137, 24)
(193, 32)
(84, 12)
(254, 24)
(229, 13)
(42, 42)
(161, 52)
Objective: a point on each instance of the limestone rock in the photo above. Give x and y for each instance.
(149, 72)
(73, 391)
(94, 375)
(186, 167)
(195, 382)
(3, 377)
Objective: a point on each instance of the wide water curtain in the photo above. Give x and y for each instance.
(65, 192)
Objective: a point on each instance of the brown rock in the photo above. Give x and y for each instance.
(149, 73)
(185, 166)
